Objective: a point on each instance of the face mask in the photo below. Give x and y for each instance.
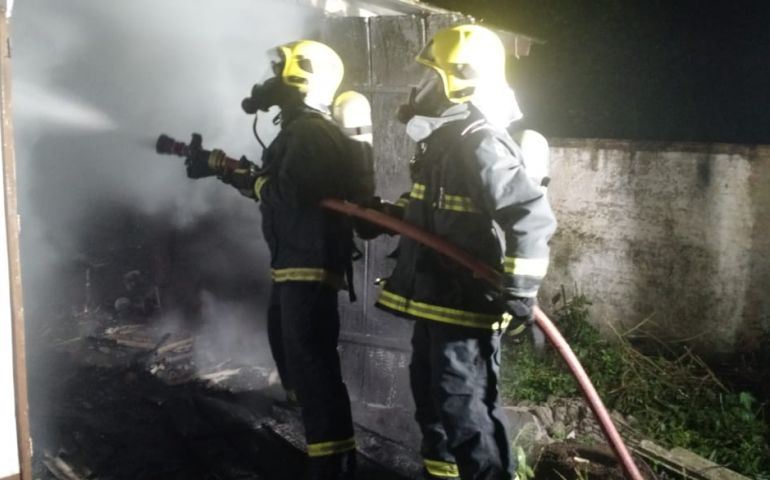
(265, 95)
(419, 127)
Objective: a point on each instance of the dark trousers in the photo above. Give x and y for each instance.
(275, 337)
(303, 328)
(454, 377)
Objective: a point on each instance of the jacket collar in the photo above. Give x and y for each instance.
(291, 113)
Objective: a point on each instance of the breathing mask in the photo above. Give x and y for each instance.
(272, 91)
(427, 99)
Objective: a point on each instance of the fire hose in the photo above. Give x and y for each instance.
(492, 277)
(485, 273)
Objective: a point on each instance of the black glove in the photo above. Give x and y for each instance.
(392, 210)
(367, 230)
(243, 177)
(521, 309)
(197, 161)
(197, 164)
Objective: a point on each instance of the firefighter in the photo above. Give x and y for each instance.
(468, 178)
(310, 159)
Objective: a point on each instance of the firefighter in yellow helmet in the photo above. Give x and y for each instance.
(311, 249)
(468, 176)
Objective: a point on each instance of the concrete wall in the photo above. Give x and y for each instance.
(675, 234)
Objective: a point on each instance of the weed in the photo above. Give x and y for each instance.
(676, 399)
(523, 470)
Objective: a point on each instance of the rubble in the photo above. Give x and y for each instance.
(563, 436)
(122, 422)
(140, 402)
(527, 429)
(535, 425)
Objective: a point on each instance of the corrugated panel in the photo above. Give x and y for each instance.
(380, 323)
(395, 41)
(373, 7)
(349, 37)
(352, 361)
(434, 23)
(392, 148)
(353, 313)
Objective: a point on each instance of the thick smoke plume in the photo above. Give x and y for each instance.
(94, 84)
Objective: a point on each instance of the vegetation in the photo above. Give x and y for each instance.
(675, 399)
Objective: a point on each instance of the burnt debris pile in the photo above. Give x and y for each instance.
(131, 402)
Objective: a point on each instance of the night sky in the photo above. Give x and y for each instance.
(630, 69)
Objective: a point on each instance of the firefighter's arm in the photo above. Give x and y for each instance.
(242, 174)
(521, 209)
(246, 177)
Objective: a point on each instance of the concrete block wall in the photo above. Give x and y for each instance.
(677, 234)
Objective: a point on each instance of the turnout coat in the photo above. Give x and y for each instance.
(471, 188)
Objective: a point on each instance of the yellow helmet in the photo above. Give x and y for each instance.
(312, 68)
(466, 57)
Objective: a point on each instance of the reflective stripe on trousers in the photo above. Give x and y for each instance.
(330, 448)
(321, 275)
(441, 469)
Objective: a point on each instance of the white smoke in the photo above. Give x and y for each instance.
(94, 84)
(131, 70)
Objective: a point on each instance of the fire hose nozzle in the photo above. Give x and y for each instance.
(168, 146)
(165, 144)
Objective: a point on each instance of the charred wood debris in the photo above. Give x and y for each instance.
(114, 395)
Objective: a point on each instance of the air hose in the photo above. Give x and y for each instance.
(492, 277)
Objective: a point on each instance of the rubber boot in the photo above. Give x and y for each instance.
(341, 466)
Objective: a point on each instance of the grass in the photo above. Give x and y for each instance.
(674, 397)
